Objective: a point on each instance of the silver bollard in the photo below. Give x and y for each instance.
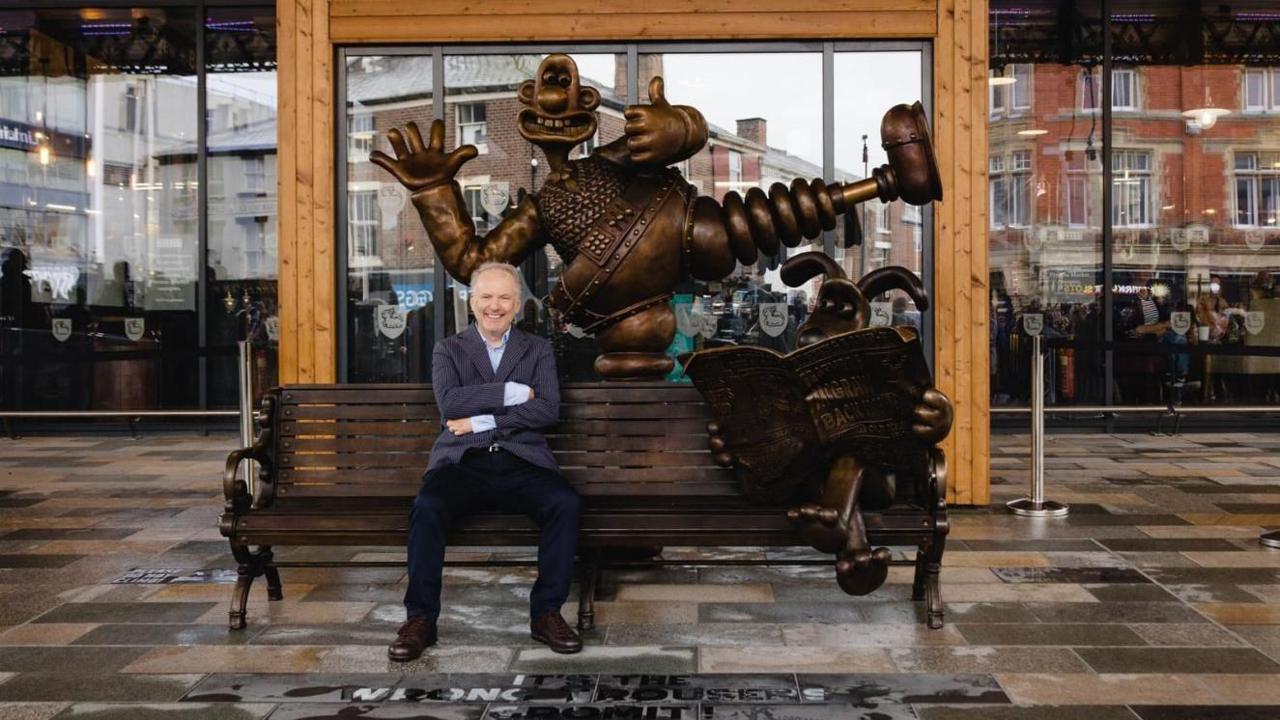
(1036, 505)
(246, 411)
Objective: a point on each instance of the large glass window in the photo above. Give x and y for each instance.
(103, 243)
(1190, 240)
(240, 150)
(754, 141)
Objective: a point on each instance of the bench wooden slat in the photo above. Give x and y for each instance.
(655, 411)
(386, 411)
(558, 443)
(417, 459)
(413, 426)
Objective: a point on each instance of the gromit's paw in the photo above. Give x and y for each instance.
(820, 527)
(863, 572)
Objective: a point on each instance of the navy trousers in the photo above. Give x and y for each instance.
(492, 481)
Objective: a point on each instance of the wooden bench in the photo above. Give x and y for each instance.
(341, 464)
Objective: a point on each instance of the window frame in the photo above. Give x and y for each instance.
(465, 128)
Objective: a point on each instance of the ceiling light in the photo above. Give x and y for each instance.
(1033, 132)
(1002, 80)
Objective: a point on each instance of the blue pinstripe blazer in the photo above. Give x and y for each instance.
(465, 385)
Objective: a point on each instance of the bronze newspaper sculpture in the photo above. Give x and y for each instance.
(839, 424)
(628, 227)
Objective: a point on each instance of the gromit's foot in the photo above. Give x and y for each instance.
(633, 365)
(555, 633)
(821, 527)
(863, 571)
(414, 636)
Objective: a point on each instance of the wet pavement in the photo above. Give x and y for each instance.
(1152, 600)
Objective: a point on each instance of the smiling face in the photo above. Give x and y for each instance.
(495, 297)
(561, 111)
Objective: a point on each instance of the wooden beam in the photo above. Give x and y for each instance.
(370, 28)
(307, 287)
(960, 275)
(513, 8)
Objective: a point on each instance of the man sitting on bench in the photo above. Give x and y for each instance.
(497, 391)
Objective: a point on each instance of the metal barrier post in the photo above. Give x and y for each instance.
(1036, 505)
(246, 411)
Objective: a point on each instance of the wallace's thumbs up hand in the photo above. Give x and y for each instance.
(656, 96)
(657, 132)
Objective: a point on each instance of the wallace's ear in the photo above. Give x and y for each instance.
(525, 93)
(588, 98)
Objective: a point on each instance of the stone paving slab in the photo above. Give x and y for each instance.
(1151, 601)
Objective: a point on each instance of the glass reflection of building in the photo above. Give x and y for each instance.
(390, 261)
(1193, 226)
(119, 292)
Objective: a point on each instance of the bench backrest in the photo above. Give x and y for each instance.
(614, 440)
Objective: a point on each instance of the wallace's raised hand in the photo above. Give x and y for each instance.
(419, 166)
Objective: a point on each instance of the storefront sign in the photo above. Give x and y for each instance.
(1180, 322)
(1253, 321)
(495, 197)
(773, 318)
(685, 323)
(58, 280)
(173, 274)
(1033, 323)
(61, 329)
(28, 138)
(1197, 234)
(391, 200)
(134, 328)
(881, 314)
(390, 320)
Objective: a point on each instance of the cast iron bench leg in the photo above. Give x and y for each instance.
(933, 581)
(252, 565)
(917, 585)
(240, 596)
(587, 592)
(274, 590)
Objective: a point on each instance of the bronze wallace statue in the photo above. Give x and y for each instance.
(628, 227)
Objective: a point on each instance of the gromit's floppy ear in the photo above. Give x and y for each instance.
(806, 266)
(895, 277)
(589, 98)
(526, 92)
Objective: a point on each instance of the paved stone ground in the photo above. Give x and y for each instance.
(1152, 601)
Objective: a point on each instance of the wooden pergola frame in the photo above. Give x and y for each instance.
(309, 30)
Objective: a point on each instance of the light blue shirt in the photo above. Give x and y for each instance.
(513, 393)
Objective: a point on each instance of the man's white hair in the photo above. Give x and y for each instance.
(510, 270)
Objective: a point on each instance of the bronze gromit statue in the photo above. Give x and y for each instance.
(844, 480)
(628, 227)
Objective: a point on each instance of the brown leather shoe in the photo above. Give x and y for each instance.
(414, 636)
(552, 630)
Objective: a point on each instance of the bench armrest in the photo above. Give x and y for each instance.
(937, 490)
(236, 492)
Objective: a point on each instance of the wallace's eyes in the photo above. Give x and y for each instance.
(549, 79)
(564, 80)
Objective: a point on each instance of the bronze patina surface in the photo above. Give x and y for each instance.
(838, 425)
(628, 226)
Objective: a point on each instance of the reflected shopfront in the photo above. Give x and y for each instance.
(1135, 202)
(399, 300)
(137, 205)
